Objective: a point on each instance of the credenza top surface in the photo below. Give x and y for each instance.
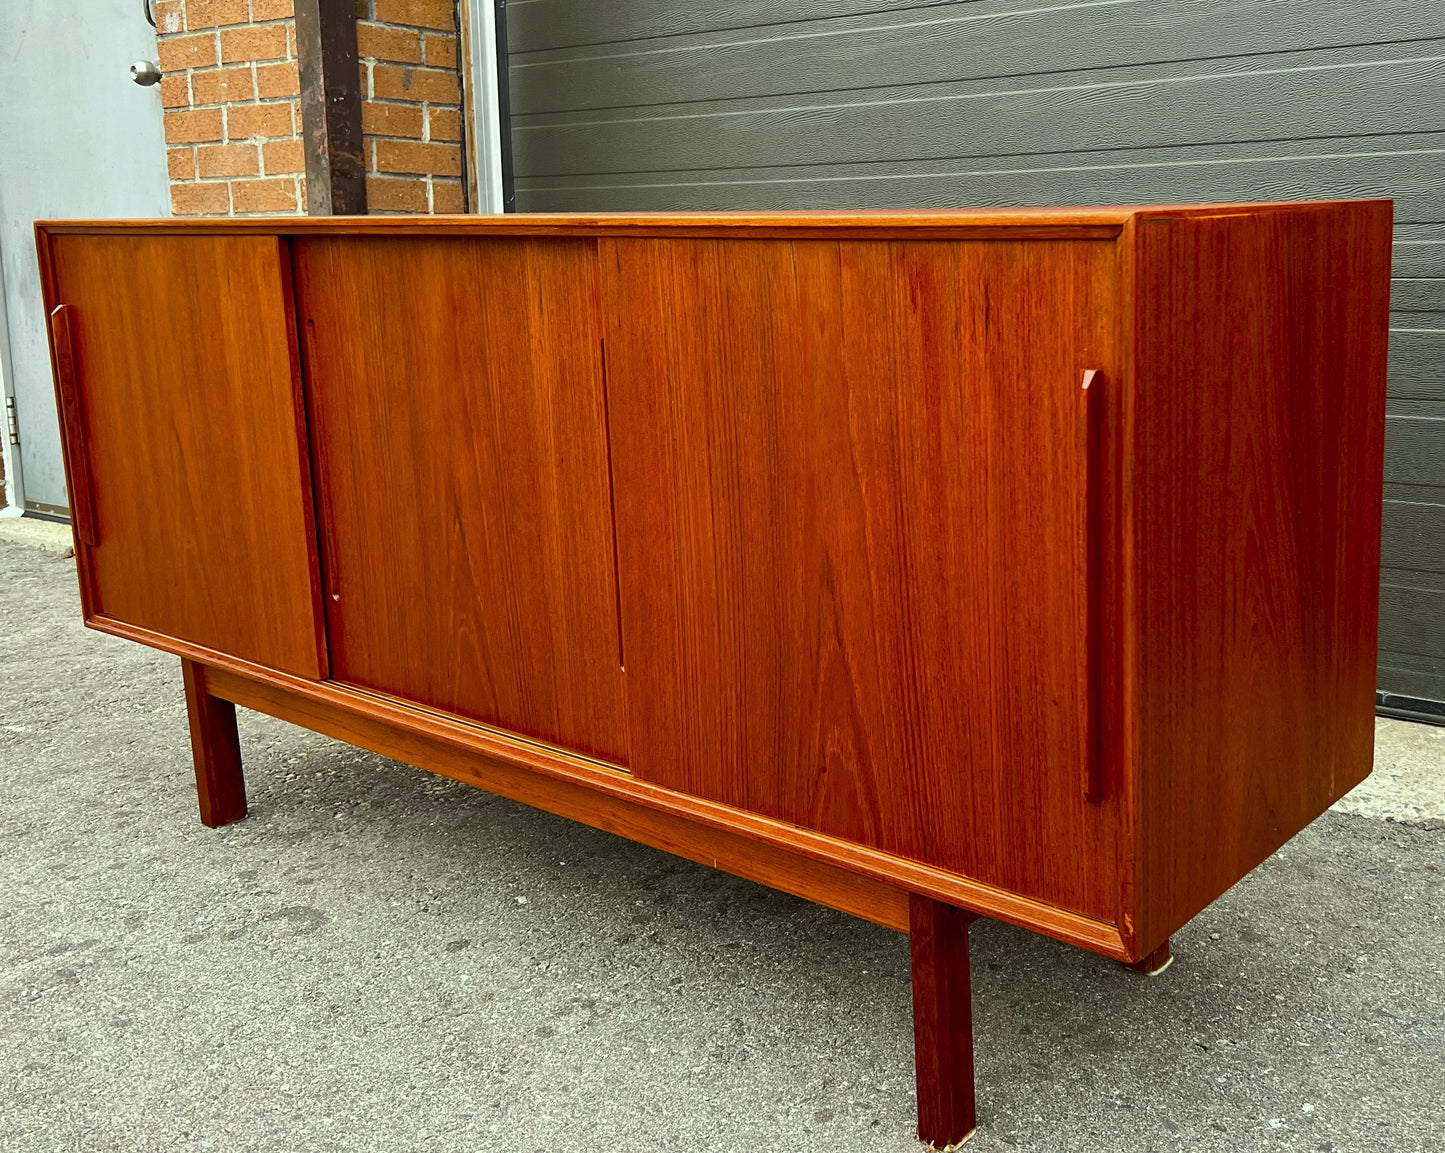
(1055, 223)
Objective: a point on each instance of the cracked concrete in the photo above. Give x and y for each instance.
(380, 959)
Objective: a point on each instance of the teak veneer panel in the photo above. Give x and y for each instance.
(182, 405)
(851, 502)
(1258, 457)
(460, 446)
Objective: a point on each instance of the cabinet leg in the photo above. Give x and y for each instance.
(216, 749)
(942, 1022)
(1156, 962)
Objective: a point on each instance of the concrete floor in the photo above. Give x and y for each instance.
(379, 959)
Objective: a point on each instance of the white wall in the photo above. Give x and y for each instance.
(77, 139)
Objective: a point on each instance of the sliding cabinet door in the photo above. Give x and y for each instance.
(459, 427)
(851, 516)
(181, 407)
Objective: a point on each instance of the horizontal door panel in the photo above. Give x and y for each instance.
(938, 44)
(1410, 169)
(1414, 534)
(1283, 97)
(541, 24)
(1417, 361)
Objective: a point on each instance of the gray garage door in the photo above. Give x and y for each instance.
(661, 104)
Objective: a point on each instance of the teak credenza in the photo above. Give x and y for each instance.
(925, 565)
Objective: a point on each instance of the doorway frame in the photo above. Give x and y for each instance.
(486, 105)
(13, 494)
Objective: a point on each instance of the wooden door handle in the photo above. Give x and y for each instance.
(72, 423)
(1091, 398)
(326, 533)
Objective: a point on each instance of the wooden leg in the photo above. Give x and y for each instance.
(942, 1022)
(216, 750)
(1156, 962)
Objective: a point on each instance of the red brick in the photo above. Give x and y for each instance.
(415, 156)
(263, 42)
(189, 127)
(222, 86)
(177, 53)
(393, 82)
(441, 51)
(170, 16)
(175, 91)
(447, 196)
(228, 160)
(391, 119)
(274, 80)
(424, 13)
(278, 195)
(212, 13)
(243, 120)
(210, 198)
(388, 194)
(378, 42)
(281, 156)
(272, 10)
(444, 124)
(181, 163)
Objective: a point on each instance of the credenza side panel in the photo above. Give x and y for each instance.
(181, 404)
(1261, 346)
(459, 430)
(850, 492)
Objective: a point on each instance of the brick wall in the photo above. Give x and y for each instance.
(411, 114)
(232, 116)
(231, 89)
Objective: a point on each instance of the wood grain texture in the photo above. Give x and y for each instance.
(332, 88)
(1099, 569)
(825, 534)
(1099, 222)
(72, 415)
(941, 223)
(477, 575)
(189, 420)
(215, 749)
(942, 1022)
(1258, 463)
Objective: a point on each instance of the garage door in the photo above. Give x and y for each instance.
(687, 104)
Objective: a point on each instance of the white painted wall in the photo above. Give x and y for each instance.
(77, 139)
(484, 148)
